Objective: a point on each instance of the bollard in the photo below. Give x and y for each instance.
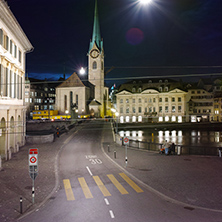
(219, 150)
(108, 149)
(115, 154)
(20, 205)
(178, 150)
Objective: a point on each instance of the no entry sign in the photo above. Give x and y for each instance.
(33, 157)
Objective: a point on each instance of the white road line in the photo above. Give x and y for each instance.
(89, 170)
(111, 214)
(107, 202)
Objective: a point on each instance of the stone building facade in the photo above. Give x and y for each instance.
(13, 48)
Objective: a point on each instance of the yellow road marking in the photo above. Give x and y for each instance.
(68, 189)
(85, 188)
(121, 189)
(131, 183)
(101, 186)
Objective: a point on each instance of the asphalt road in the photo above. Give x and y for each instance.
(92, 188)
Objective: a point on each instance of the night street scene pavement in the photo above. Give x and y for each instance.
(80, 179)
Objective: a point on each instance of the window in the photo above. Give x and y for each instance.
(160, 109)
(179, 99)
(160, 100)
(154, 100)
(134, 100)
(121, 109)
(6, 42)
(65, 102)
(150, 100)
(77, 100)
(11, 46)
(173, 99)
(150, 109)
(179, 108)
(134, 89)
(160, 89)
(166, 100)
(127, 109)
(154, 109)
(166, 89)
(140, 90)
(20, 56)
(198, 92)
(166, 109)
(71, 98)
(140, 109)
(173, 109)
(127, 100)
(15, 51)
(145, 100)
(134, 109)
(1, 36)
(121, 100)
(94, 65)
(140, 100)
(192, 92)
(145, 109)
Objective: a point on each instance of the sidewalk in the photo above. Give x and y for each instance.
(15, 181)
(193, 180)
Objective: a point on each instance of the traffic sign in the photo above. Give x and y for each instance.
(33, 157)
(126, 140)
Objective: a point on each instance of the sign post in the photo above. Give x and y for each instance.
(33, 168)
(126, 142)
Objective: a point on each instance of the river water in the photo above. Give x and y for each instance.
(186, 137)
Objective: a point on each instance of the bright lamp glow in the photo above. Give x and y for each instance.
(82, 71)
(145, 2)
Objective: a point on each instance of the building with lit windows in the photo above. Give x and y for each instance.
(151, 100)
(14, 45)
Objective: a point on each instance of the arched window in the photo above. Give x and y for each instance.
(94, 65)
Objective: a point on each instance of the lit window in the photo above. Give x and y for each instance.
(140, 118)
(94, 65)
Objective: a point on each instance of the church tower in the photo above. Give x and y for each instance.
(96, 63)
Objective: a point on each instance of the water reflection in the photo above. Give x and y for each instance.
(183, 137)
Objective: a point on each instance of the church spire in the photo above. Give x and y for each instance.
(96, 37)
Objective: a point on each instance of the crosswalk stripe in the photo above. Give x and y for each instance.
(131, 183)
(121, 189)
(101, 186)
(68, 190)
(85, 188)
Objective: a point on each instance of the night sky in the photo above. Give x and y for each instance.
(165, 38)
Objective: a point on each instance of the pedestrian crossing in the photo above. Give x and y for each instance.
(69, 190)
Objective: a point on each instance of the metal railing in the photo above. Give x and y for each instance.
(180, 149)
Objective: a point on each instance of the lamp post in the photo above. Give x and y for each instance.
(66, 112)
(117, 114)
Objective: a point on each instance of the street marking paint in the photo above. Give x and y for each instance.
(68, 190)
(106, 201)
(101, 186)
(131, 183)
(121, 189)
(111, 214)
(85, 188)
(89, 170)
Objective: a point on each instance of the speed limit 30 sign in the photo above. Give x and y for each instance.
(33, 157)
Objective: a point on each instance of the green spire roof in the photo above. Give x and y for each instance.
(96, 37)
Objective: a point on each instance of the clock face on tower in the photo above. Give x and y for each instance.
(94, 53)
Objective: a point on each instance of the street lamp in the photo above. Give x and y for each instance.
(82, 71)
(66, 112)
(145, 2)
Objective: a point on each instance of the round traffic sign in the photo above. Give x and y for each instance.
(33, 159)
(126, 140)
